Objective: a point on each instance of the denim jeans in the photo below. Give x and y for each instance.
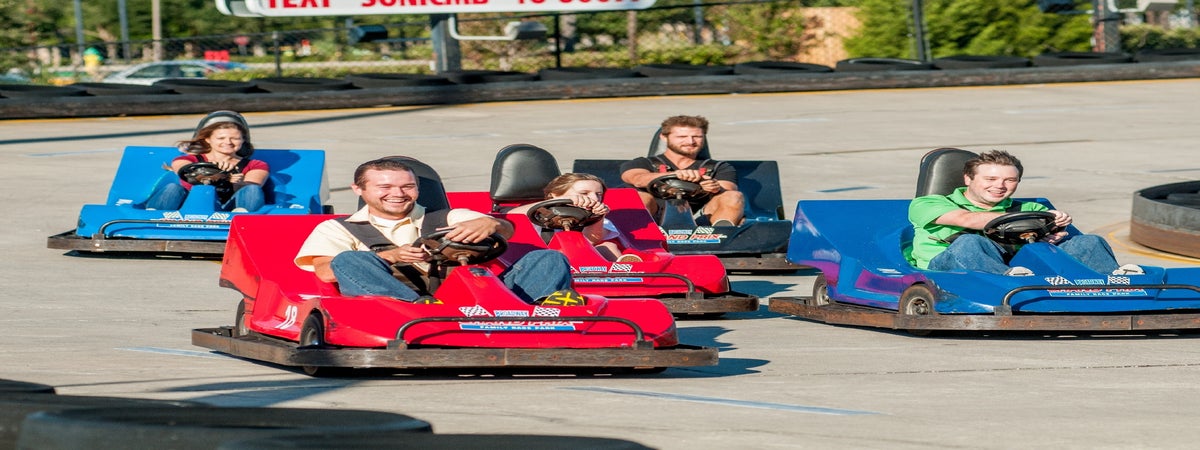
(978, 253)
(537, 274)
(171, 197)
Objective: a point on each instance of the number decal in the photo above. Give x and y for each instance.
(291, 313)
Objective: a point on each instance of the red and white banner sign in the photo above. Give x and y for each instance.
(286, 8)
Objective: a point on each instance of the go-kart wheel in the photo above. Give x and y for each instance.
(670, 186)
(1020, 227)
(312, 334)
(445, 251)
(917, 300)
(239, 321)
(202, 173)
(820, 292)
(561, 214)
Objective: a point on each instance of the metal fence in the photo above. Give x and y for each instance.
(710, 33)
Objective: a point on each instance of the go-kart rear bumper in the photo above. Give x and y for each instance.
(70, 241)
(841, 314)
(728, 302)
(285, 353)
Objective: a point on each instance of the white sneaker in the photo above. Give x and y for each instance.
(1129, 269)
(1018, 271)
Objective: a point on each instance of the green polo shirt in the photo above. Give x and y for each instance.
(929, 237)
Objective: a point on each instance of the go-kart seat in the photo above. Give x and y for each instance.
(432, 191)
(941, 171)
(520, 174)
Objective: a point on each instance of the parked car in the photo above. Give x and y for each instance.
(149, 73)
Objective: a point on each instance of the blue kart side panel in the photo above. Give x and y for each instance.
(296, 185)
(865, 265)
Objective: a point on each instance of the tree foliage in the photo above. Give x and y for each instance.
(974, 27)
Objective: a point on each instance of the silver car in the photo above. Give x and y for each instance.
(149, 73)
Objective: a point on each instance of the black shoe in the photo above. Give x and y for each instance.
(427, 300)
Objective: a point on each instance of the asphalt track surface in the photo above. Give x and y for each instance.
(121, 326)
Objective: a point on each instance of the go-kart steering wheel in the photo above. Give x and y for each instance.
(448, 252)
(671, 187)
(202, 173)
(1020, 227)
(560, 214)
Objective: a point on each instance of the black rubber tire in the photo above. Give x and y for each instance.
(820, 291)
(1080, 59)
(778, 68)
(313, 333)
(39, 91)
(386, 80)
(239, 320)
(880, 65)
(14, 407)
(980, 62)
(199, 86)
(917, 300)
(107, 89)
(487, 76)
(401, 441)
(24, 387)
(197, 428)
(682, 70)
(585, 73)
(1167, 55)
(302, 84)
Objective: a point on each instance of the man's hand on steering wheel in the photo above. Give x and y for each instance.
(474, 230)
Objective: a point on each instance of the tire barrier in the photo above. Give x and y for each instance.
(585, 73)
(778, 68)
(681, 70)
(487, 76)
(386, 80)
(105, 89)
(39, 91)
(980, 62)
(15, 407)
(185, 86)
(24, 387)
(398, 441)
(197, 428)
(1167, 55)
(1080, 59)
(880, 64)
(302, 84)
(1167, 218)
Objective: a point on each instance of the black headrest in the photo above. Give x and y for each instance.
(942, 171)
(227, 116)
(433, 193)
(658, 146)
(521, 172)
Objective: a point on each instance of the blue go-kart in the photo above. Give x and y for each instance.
(297, 185)
(759, 244)
(867, 279)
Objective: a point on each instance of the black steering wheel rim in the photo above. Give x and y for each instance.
(202, 173)
(671, 187)
(1023, 227)
(448, 252)
(561, 214)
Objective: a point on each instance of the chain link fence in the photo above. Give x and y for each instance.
(692, 33)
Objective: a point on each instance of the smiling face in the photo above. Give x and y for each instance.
(225, 140)
(388, 194)
(991, 184)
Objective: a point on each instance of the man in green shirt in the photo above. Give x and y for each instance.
(947, 228)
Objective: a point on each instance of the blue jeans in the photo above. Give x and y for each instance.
(537, 274)
(171, 197)
(978, 253)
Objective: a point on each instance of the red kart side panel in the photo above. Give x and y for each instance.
(280, 297)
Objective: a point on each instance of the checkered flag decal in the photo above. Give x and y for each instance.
(1118, 280)
(539, 311)
(1058, 281)
(474, 311)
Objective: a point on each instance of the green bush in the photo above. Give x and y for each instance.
(1150, 37)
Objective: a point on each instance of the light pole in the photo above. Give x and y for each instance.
(156, 28)
(79, 29)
